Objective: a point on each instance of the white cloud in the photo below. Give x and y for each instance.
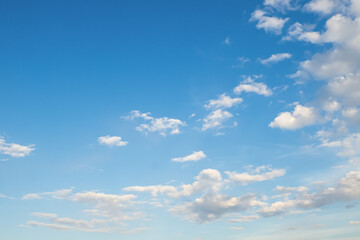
(5, 196)
(249, 218)
(163, 125)
(154, 190)
(278, 4)
(241, 62)
(227, 41)
(215, 119)
(260, 174)
(211, 207)
(269, 24)
(301, 117)
(346, 189)
(112, 141)
(195, 156)
(324, 6)
(249, 85)
(301, 32)
(15, 150)
(58, 194)
(223, 101)
(274, 58)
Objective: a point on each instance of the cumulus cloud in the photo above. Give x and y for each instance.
(195, 156)
(274, 58)
(112, 141)
(269, 24)
(215, 119)
(211, 207)
(249, 85)
(346, 189)
(301, 117)
(163, 125)
(15, 150)
(260, 174)
(223, 101)
(324, 6)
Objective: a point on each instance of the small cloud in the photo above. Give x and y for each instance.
(195, 156)
(274, 58)
(14, 150)
(227, 41)
(241, 62)
(249, 85)
(112, 141)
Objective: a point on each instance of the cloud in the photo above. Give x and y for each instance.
(324, 6)
(346, 189)
(223, 101)
(227, 41)
(15, 150)
(249, 85)
(111, 210)
(163, 125)
(215, 119)
(112, 141)
(354, 222)
(269, 24)
(278, 4)
(211, 207)
(5, 196)
(260, 174)
(241, 62)
(249, 218)
(301, 117)
(154, 190)
(274, 58)
(195, 156)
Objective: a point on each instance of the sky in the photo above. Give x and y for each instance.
(184, 120)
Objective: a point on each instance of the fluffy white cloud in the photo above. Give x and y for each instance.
(15, 150)
(211, 207)
(301, 117)
(347, 88)
(112, 141)
(260, 174)
(163, 125)
(249, 85)
(274, 58)
(297, 31)
(269, 24)
(324, 6)
(223, 101)
(215, 119)
(195, 156)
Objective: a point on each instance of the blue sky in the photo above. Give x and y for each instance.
(180, 120)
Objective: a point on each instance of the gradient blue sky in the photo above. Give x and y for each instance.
(196, 120)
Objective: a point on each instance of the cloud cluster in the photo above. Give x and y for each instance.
(163, 125)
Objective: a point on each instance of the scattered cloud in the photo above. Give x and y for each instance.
(215, 119)
(227, 41)
(241, 62)
(269, 24)
(112, 141)
(249, 85)
(195, 156)
(274, 58)
(223, 101)
(301, 117)
(260, 174)
(15, 150)
(163, 125)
